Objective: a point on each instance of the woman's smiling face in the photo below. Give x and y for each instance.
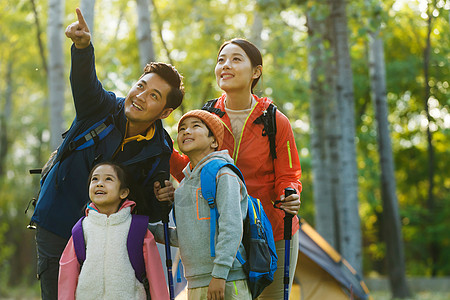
(234, 70)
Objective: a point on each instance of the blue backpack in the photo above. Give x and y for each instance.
(258, 236)
(135, 242)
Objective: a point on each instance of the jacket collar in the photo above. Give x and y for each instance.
(127, 203)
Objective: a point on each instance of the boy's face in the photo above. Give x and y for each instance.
(146, 101)
(105, 191)
(193, 139)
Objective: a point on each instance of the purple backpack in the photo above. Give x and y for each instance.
(135, 243)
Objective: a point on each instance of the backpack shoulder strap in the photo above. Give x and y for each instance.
(89, 137)
(209, 171)
(135, 242)
(93, 134)
(208, 187)
(78, 241)
(209, 106)
(269, 120)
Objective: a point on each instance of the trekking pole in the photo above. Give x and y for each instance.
(165, 210)
(287, 243)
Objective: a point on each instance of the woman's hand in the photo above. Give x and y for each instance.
(290, 204)
(216, 289)
(164, 193)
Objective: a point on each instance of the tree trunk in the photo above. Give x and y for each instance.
(433, 246)
(321, 92)
(56, 76)
(349, 221)
(160, 33)
(391, 219)
(257, 27)
(392, 231)
(158, 22)
(87, 8)
(144, 33)
(5, 116)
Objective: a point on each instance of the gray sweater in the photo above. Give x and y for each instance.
(192, 234)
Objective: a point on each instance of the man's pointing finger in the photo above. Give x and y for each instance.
(81, 21)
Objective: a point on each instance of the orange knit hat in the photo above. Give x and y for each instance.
(213, 122)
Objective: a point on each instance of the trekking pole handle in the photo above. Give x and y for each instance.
(287, 216)
(161, 177)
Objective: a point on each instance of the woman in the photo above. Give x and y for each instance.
(238, 70)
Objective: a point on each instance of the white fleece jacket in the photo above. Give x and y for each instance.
(107, 272)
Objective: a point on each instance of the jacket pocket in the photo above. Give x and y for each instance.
(203, 209)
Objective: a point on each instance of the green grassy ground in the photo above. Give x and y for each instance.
(418, 296)
(33, 294)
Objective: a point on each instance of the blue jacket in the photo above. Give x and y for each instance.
(64, 189)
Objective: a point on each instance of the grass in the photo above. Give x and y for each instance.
(32, 293)
(427, 295)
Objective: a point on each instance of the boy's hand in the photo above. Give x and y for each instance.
(78, 32)
(166, 193)
(290, 204)
(216, 289)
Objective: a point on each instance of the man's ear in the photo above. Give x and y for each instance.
(166, 112)
(257, 72)
(124, 193)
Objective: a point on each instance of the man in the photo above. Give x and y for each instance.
(125, 130)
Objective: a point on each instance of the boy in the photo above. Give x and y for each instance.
(200, 134)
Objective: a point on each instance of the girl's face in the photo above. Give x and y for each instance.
(105, 191)
(234, 70)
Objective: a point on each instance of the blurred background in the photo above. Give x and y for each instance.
(365, 84)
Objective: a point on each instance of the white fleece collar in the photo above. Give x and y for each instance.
(114, 219)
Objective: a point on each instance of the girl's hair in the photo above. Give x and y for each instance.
(252, 52)
(118, 168)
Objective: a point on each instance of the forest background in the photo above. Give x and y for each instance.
(299, 56)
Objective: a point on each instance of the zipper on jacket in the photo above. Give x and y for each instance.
(104, 257)
(236, 148)
(289, 154)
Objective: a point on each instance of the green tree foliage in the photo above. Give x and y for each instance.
(188, 33)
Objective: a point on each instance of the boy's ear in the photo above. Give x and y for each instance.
(124, 193)
(214, 144)
(166, 112)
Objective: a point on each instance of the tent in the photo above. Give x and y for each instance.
(322, 273)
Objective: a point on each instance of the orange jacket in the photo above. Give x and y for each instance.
(266, 178)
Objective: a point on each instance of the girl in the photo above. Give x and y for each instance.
(107, 272)
(238, 70)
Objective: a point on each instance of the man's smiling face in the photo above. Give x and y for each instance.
(146, 101)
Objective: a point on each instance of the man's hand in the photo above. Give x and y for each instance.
(78, 32)
(216, 289)
(291, 204)
(166, 193)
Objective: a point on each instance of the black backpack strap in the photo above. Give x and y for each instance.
(268, 119)
(209, 106)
